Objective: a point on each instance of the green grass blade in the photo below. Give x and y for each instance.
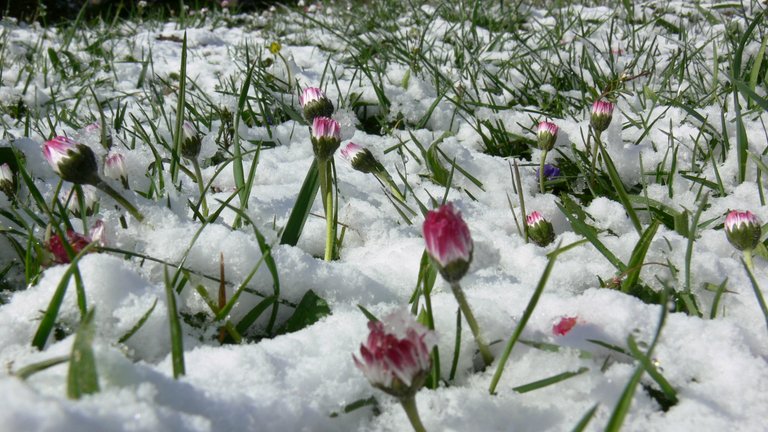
(177, 344)
(571, 211)
(82, 377)
(178, 135)
(638, 257)
(301, 209)
(237, 161)
(549, 381)
(651, 369)
(618, 185)
(584, 422)
(29, 370)
(139, 324)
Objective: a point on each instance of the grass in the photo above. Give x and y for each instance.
(493, 68)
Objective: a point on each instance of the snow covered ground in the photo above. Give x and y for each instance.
(296, 381)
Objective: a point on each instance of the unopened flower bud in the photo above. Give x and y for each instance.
(602, 113)
(315, 104)
(326, 137)
(114, 168)
(7, 181)
(547, 135)
(743, 230)
(72, 161)
(540, 231)
(190, 141)
(361, 158)
(448, 242)
(89, 198)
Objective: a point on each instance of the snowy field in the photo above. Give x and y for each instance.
(448, 97)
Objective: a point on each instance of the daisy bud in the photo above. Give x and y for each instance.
(114, 168)
(315, 103)
(540, 231)
(90, 200)
(547, 135)
(190, 141)
(361, 158)
(602, 113)
(395, 357)
(448, 241)
(326, 137)
(72, 161)
(743, 230)
(7, 181)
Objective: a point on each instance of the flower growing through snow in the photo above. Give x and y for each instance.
(89, 198)
(72, 161)
(743, 230)
(326, 137)
(190, 141)
(450, 247)
(76, 163)
(361, 158)
(7, 181)
(315, 104)
(114, 168)
(55, 245)
(540, 231)
(395, 359)
(602, 113)
(448, 242)
(547, 135)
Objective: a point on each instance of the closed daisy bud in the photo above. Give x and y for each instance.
(547, 135)
(7, 181)
(190, 141)
(114, 168)
(72, 161)
(602, 113)
(742, 229)
(361, 158)
(448, 242)
(315, 104)
(326, 137)
(90, 201)
(395, 356)
(540, 231)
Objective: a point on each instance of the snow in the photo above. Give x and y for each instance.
(295, 381)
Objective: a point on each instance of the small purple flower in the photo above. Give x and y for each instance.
(326, 137)
(547, 135)
(315, 103)
(395, 357)
(743, 229)
(550, 172)
(448, 242)
(602, 113)
(72, 161)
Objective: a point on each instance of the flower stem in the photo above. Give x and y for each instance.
(326, 192)
(758, 293)
(200, 186)
(541, 170)
(598, 143)
(409, 405)
(470, 317)
(384, 177)
(119, 198)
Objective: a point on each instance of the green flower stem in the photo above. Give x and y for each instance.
(748, 260)
(200, 186)
(326, 192)
(409, 405)
(119, 198)
(758, 293)
(385, 178)
(470, 317)
(598, 143)
(541, 170)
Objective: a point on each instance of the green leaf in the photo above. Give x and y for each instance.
(638, 257)
(613, 174)
(139, 324)
(310, 309)
(177, 345)
(82, 377)
(549, 381)
(29, 370)
(303, 205)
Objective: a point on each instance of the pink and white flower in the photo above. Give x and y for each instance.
(743, 230)
(547, 135)
(315, 103)
(448, 241)
(540, 230)
(326, 137)
(602, 113)
(72, 161)
(395, 357)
